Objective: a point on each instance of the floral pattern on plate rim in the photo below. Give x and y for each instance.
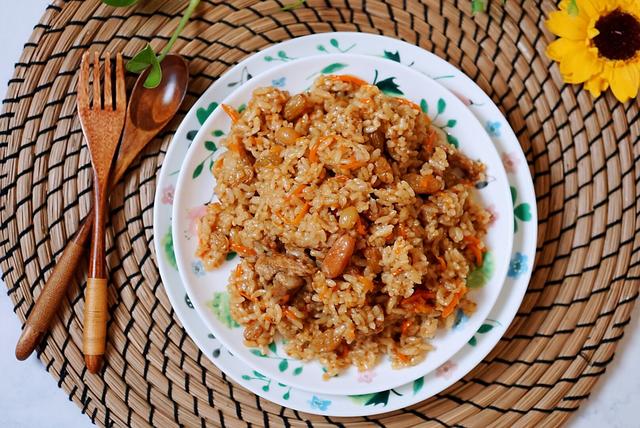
(316, 404)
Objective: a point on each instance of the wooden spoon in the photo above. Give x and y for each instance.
(149, 111)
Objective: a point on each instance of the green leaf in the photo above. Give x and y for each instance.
(479, 276)
(297, 371)
(473, 341)
(219, 305)
(259, 375)
(167, 244)
(392, 56)
(332, 68)
(119, 3)
(572, 8)
(217, 133)
(478, 6)
(242, 108)
(231, 255)
(272, 347)
(203, 113)
(485, 328)
(192, 134)
(282, 54)
(418, 384)
(256, 352)
(246, 377)
(453, 141)
(265, 388)
(451, 123)
(284, 364)
(142, 60)
(154, 77)
(514, 194)
(321, 48)
(198, 170)
(210, 145)
(424, 106)
(523, 212)
(296, 4)
(281, 384)
(334, 43)
(442, 105)
(381, 397)
(286, 395)
(389, 87)
(187, 301)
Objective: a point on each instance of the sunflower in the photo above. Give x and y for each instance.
(598, 45)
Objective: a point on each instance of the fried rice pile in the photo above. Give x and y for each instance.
(354, 220)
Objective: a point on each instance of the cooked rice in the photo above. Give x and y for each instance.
(341, 164)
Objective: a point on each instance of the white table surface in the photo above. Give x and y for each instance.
(29, 396)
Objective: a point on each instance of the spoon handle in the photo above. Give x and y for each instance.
(48, 302)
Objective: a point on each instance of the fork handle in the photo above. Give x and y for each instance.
(95, 306)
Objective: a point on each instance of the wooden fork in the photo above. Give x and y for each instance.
(102, 124)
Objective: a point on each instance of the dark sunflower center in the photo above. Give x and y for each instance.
(619, 37)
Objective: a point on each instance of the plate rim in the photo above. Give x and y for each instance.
(528, 245)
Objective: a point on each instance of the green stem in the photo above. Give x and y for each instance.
(183, 22)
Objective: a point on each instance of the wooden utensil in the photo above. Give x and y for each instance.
(102, 125)
(149, 111)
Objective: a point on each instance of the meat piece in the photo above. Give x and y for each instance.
(285, 273)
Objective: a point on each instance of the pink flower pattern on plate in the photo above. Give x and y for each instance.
(446, 369)
(167, 194)
(510, 162)
(194, 215)
(366, 376)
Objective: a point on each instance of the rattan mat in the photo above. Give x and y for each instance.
(583, 156)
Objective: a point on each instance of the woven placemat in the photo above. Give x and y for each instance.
(583, 156)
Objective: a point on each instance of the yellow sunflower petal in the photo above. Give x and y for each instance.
(562, 48)
(580, 66)
(591, 8)
(596, 85)
(625, 81)
(562, 24)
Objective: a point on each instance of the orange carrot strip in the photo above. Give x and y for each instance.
(430, 141)
(353, 163)
(347, 78)
(473, 244)
(409, 103)
(288, 313)
(231, 112)
(360, 227)
(218, 164)
(403, 358)
(405, 326)
(298, 218)
(313, 152)
(242, 250)
(296, 192)
(442, 263)
(448, 310)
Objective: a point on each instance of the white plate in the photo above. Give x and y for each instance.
(522, 254)
(196, 182)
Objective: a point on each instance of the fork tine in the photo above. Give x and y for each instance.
(108, 103)
(97, 95)
(121, 93)
(83, 82)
